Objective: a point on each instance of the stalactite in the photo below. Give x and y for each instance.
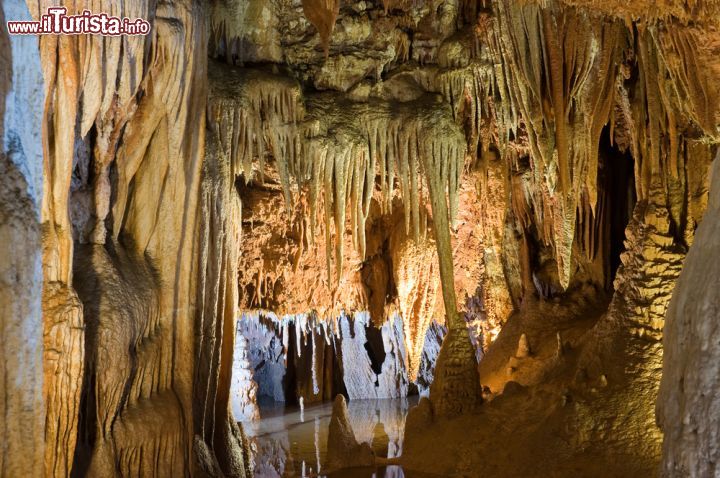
(416, 275)
(370, 141)
(254, 112)
(338, 171)
(562, 84)
(679, 96)
(322, 14)
(321, 353)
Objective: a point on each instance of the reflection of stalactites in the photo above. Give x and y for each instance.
(317, 444)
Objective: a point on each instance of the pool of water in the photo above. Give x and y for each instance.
(289, 442)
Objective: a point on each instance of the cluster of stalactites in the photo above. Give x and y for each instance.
(363, 149)
(480, 103)
(256, 113)
(561, 71)
(559, 68)
(305, 327)
(680, 94)
(367, 149)
(340, 154)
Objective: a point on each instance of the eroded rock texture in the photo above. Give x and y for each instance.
(688, 406)
(124, 215)
(22, 398)
(517, 180)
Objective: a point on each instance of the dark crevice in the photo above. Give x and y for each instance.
(616, 176)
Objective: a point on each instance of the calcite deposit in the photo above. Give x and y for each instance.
(508, 207)
(344, 451)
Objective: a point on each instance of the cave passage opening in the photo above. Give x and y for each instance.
(302, 359)
(616, 177)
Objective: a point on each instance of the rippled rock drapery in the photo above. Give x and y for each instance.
(219, 238)
(123, 154)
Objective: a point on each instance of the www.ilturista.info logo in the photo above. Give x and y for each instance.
(57, 22)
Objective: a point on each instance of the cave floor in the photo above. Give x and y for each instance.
(544, 416)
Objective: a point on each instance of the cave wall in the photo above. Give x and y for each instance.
(22, 419)
(392, 152)
(688, 405)
(124, 215)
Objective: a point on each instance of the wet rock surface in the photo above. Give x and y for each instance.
(520, 180)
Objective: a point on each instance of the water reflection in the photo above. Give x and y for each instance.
(289, 442)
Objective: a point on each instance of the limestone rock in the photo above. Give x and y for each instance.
(347, 355)
(243, 389)
(431, 349)
(523, 347)
(22, 392)
(688, 407)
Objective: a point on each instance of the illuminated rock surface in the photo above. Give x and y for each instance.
(485, 202)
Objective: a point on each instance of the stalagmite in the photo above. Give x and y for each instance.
(489, 203)
(344, 451)
(523, 348)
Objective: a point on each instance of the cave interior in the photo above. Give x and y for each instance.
(340, 238)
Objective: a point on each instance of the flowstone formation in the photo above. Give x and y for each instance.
(22, 357)
(687, 406)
